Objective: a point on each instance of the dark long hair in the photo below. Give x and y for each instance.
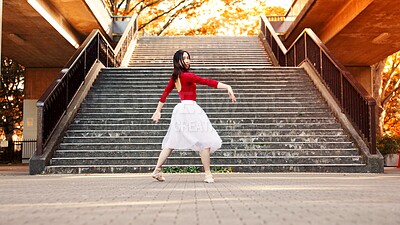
(179, 64)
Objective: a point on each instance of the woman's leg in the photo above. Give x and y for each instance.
(162, 157)
(205, 159)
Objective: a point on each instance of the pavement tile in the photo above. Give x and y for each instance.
(235, 198)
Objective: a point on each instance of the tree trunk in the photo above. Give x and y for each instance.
(377, 70)
(10, 148)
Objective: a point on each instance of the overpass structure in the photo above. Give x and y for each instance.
(31, 38)
(359, 33)
(43, 35)
(56, 43)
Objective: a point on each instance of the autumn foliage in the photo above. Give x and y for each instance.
(195, 17)
(390, 97)
(11, 98)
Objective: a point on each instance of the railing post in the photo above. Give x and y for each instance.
(305, 46)
(372, 133)
(341, 90)
(294, 55)
(39, 143)
(320, 63)
(84, 60)
(106, 56)
(98, 46)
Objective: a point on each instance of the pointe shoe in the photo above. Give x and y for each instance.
(157, 174)
(209, 179)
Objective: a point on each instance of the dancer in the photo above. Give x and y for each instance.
(190, 127)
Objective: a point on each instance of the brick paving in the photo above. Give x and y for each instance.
(235, 198)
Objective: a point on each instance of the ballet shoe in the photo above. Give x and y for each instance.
(209, 178)
(157, 174)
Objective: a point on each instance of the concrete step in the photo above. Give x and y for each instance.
(253, 168)
(298, 113)
(227, 126)
(256, 81)
(220, 153)
(231, 145)
(157, 92)
(276, 120)
(227, 110)
(219, 99)
(248, 132)
(280, 122)
(214, 160)
(225, 139)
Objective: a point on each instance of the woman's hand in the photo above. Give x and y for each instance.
(229, 89)
(156, 116)
(231, 94)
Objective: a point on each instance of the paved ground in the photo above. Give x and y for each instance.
(263, 198)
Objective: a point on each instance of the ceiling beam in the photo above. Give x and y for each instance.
(347, 14)
(57, 20)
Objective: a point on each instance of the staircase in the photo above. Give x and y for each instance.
(280, 123)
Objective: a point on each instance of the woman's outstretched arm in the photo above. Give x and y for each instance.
(157, 114)
(229, 89)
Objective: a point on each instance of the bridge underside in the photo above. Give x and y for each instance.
(358, 32)
(29, 39)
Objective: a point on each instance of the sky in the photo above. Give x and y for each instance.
(282, 3)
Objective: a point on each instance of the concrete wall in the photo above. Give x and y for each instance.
(363, 75)
(37, 80)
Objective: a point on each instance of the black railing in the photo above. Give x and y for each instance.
(53, 104)
(353, 99)
(27, 147)
(18, 151)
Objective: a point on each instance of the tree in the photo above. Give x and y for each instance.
(11, 98)
(388, 98)
(238, 17)
(196, 17)
(155, 14)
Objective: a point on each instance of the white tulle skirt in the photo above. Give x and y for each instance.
(190, 128)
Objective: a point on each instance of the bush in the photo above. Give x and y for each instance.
(195, 169)
(186, 169)
(388, 145)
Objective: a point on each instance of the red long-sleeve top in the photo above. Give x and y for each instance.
(188, 83)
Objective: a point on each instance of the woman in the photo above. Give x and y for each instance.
(190, 127)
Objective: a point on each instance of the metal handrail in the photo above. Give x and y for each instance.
(126, 38)
(54, 103)
(299, 3)
(353, 99)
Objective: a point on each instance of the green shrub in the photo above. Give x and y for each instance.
(186, 169)
(220, 169)
(195, 169)
(388, 145)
